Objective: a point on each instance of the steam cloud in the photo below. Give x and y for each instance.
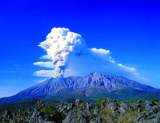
(68, 54)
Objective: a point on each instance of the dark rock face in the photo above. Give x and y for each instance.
(92, 86)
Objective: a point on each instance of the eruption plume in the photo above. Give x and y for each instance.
(68, 55)
(59, 45)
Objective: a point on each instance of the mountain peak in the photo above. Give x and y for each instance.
(93, 84)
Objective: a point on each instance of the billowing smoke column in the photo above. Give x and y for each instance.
(68, 55)
(60, 43)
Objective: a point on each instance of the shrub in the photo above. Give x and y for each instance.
(100, 102)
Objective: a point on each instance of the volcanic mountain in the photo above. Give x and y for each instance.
(89, 87)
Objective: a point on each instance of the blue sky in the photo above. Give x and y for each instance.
(129, 29)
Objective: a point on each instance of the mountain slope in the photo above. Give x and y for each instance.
(92, 86)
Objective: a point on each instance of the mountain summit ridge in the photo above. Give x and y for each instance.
(87, 86)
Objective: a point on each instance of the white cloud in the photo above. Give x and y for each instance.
(100, 51)
(68, 55)
(59, 44)
(127, 68)
(45, 57)
(103, 54)
(47, 64)
(44, 73)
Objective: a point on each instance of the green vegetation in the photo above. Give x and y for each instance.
(102, 111)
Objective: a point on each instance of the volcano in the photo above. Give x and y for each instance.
(89, 87)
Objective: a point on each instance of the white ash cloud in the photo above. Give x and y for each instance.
(59, 45)
(68, 54)
(127, 68)
(44, 73)
(47, 64)
(101, 51)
